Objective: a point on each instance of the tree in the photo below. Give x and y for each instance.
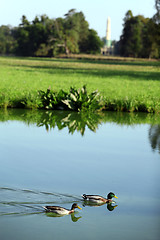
(70, 32)
(139, 37)
(7, 42)
(75, 31)
(150, 44)
(128, 16)
(131, 39)
(30, 36)
(24, 22)
(156, 17)
(48, 37)
(83, 31)
(94, 43)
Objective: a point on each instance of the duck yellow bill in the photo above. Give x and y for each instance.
(115, 196)
(79, 208)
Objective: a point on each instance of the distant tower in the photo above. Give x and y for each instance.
(108, 33)
(108, 49)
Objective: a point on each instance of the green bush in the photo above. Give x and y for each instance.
(76, 100)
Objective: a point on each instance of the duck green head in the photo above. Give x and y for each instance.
(75, 205)
(111, 195)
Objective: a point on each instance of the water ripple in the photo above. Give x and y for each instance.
(26, 201)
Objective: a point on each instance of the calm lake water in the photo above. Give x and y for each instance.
(49, 158)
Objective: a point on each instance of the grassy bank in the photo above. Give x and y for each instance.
(125, 84)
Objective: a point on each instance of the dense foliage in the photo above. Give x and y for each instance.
(141, 36)
(75, 100)
(48, 37)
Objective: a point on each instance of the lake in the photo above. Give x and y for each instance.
(52, 158)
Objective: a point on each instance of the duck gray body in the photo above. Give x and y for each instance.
(61, 210)
(99, 199)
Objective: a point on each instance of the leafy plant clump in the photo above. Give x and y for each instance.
(76, 100)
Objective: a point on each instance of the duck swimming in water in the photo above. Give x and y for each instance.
(61, 210)
(99, 199)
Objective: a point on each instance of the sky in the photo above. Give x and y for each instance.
(96, 12)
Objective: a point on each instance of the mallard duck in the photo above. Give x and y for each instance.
(61, 210)
(99, 199)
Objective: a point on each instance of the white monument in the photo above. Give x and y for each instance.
(108, 32)
(108, 48)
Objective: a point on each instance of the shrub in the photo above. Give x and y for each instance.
(76, 100)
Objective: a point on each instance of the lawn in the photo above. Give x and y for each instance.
(129, 81)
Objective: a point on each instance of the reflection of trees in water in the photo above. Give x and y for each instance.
(80, 121)
(154, 137)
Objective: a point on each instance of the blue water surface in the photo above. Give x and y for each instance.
(39, 167)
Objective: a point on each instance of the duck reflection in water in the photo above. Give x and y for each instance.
(73, 217)
(110, 206)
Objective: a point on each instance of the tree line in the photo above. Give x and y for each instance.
(71, 34)
(141, 36)
(49, 37)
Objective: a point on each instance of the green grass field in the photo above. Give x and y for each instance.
(120, 81)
